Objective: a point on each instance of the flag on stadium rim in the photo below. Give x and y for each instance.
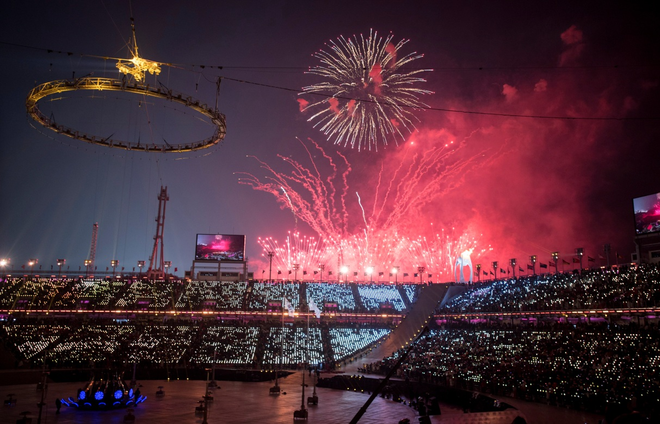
(314, 308)
(289, 307)
(565, 262)
(553, 263)
(576, 260)
(530, 266)
(405, 274)
(542, 265)
(590, 259)
(520, 269)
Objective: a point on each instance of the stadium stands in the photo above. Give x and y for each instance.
(549, 353)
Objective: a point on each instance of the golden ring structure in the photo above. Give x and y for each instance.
(108, 84)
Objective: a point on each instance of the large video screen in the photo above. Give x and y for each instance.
(647, 214)
(220, 247)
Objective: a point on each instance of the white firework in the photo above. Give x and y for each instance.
(368, 97)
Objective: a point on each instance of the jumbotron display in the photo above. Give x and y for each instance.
(220, 247)
(647, 214)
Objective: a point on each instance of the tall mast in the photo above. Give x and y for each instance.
(92, 247)
(157, 261)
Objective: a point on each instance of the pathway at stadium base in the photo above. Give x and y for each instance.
(240, 402)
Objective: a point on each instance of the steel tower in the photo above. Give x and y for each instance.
(157, 262)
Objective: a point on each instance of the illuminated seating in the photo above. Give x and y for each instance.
(593, 289)
(331, 292)
(373, 295)
(296, 347)
(347, 341)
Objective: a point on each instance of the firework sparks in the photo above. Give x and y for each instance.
(368, 97)
(307, 253)
(382, 232)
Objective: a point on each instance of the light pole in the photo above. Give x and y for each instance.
(206, 397)
(395, 271)
(532, 259)
(270, 254)
(478, 272)
(61, 262)
(4, 263)
(88, 263)
(555, 258)
(606, 250)
(140, 266)
(167, 265)
(513, 266)
(113, 264)
(44, 389)
(32, 263)
(344, 270)
(321, 268)
(421, 270)
(495, 269)
(579, 252)
(296, 267)
(370, 271)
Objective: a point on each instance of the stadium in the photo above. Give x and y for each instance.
(329, 212)
(583, 340)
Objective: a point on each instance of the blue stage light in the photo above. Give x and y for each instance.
(130, 394)
(118, 394)
(98, 395)
(81, 395)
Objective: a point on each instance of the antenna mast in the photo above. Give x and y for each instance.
(92, 248)
(157, 262)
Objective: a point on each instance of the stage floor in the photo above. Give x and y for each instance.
(239, 402)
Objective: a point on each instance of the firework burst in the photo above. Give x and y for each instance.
(378, 227)
(368, 96)
(306, 253)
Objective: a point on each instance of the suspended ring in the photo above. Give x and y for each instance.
(109, 84)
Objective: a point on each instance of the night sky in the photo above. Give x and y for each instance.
(533, 186)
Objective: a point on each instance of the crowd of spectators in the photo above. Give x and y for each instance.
(606, 288)
(160, 344)
(411, 291)
(262, 293)
(583, 366)
(108, 294)
(293, 346)
(205, 295)
(346, 342)
(341, 294)
(83, 342)
(145, 295)
(30, 339)
(576, 363)
(374, 295)
(235, 345)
